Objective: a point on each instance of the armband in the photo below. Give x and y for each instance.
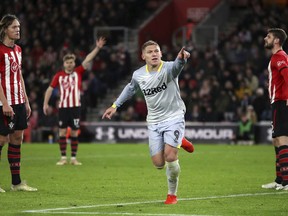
(114, 106)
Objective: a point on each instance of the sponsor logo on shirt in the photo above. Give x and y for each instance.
(153, 91)
(279, 63)
(14, 67)
(67, 84)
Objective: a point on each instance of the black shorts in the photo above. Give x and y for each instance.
(69, 117)
(19, 121)
(279, 119)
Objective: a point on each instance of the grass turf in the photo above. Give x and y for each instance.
(119, 179)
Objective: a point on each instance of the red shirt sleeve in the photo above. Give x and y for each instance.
(80, 69)
(55, 81)
(284, 73)
(281, 64)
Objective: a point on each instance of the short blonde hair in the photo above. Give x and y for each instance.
(149, 43)
(68, 57)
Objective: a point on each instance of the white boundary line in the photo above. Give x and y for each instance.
(121, 213)
(61, 210)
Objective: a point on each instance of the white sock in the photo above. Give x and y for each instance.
(172, 172)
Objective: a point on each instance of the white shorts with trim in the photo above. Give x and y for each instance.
(168, 132)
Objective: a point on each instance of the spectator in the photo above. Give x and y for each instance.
(245, 131)
(251, 79)
(260, 103)
(140, 108)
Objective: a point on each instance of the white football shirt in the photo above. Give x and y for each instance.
(160, 89)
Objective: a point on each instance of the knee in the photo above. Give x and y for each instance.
(159, 164)
(62, 134)
(2, 142)
(159, 167)
(158, 160)
(170, 153)
(16, 139)
(171, 157)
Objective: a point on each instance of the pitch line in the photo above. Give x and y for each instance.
(121, 213)
(50, 211)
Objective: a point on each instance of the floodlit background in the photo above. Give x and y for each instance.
(225, 76)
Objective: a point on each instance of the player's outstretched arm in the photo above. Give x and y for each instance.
(99, 44)
(126, 94)
(183, 54)
(109, 113)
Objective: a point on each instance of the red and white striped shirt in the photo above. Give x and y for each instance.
(10, 74)
(69, 86)
(278, 77)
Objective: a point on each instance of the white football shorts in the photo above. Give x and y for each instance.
(169, 132)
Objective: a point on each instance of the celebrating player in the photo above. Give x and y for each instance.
(158, 81)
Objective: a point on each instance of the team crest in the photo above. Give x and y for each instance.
(76, 122)
(11, 125)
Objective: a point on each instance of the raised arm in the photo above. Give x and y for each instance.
(180, 61)
(99, 44)
(183, 54)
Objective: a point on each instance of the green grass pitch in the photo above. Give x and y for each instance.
(119, 179)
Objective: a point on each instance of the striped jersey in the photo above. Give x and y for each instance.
(160, 89)
(70, 86)
(278, 77)
(10, 74)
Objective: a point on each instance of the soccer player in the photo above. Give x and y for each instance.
(158, 81)
(14, 104)
(278, 94)
(69, 81)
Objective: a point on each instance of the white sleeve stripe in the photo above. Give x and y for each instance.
(7, 79)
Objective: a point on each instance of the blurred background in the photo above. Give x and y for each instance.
(225, 77)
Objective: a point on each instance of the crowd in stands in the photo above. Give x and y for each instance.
(217, 84)
(221, 83)
(50, 29)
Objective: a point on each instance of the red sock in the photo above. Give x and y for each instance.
(283, 161)
(14, 156)
(277, 164)
(63, 145)
(74, 146)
